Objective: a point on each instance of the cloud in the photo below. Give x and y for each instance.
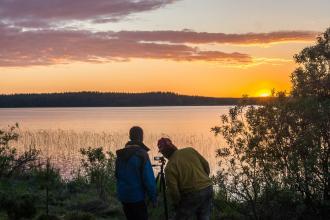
(188, 36)
(27, 12)
(55, 46)
(47, 47)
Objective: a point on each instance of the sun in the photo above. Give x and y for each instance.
(264, 93)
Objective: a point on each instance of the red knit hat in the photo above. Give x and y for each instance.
(165, 143)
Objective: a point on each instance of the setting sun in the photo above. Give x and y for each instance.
(264, 93)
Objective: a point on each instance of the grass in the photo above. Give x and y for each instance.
(62, 146)
(72, 196)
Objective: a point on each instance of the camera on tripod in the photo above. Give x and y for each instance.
(160, 159)
(160, 180)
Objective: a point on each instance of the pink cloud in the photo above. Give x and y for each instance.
(52, 11)
(188, 36)
(46, 47)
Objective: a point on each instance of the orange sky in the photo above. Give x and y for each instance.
(200, 53)
(199, 78)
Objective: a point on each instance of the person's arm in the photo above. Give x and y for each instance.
(172, 186)
(149, 181)
(204, 162)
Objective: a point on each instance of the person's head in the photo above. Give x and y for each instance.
(166, 147)
(136, 134)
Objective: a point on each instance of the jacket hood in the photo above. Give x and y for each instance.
(138, 144)
(131, 148)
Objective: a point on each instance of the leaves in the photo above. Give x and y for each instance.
(282, 144)
(99, 169)
(10, 161)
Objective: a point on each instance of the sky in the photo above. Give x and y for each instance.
(219, 48)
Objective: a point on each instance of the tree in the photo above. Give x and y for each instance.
(282, 146)
(311, 87)
(312, 78)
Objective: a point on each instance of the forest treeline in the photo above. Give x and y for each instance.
(98, 99)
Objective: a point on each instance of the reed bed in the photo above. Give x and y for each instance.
(63, 146)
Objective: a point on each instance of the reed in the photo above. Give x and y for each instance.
(63, 146)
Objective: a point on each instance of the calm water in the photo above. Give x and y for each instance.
(61, 132)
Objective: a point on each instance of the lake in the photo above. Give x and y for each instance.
(60, 132)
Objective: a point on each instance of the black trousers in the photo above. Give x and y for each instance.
(195, 204)
(135, 210)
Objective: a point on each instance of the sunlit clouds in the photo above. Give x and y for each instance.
(45, 47)
(209, 47)
(55, 46)
(187, 36)
(33, 33)
(40, 13)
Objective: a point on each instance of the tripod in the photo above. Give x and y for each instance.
(162, 188)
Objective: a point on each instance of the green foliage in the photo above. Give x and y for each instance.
(78, 184)
(11, 162)
(99, 169)
(312, 77)
(19, 206)
(29, 187)
(46, 175)
(48, 217)
(278, 203)
(79, 216)
(278, 154)
(223, 208)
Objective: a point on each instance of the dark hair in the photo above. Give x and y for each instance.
(136, 133)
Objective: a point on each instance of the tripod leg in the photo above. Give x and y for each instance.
(158, 181)
(162, 183)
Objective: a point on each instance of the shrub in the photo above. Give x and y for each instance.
(99, 169)
(79, 216)
(78, 184)
(20, 206)
(46, 175)
(48, 217)
(10, 161)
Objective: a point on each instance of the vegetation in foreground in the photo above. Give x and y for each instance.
(276, 164)
(33, 189)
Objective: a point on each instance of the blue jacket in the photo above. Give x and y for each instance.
(135, 177)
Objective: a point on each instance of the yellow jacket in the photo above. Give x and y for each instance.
(186, 171)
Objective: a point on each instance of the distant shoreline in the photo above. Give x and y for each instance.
(111, 99)
(150, 106)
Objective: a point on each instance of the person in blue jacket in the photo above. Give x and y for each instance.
(135, 177)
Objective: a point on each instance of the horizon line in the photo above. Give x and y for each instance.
(147, 92)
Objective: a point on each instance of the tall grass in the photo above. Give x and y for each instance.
(63, 146)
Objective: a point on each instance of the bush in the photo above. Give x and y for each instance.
(282, 203)
(223, 208)
(21, 206)
(48, 217)
(79, 216)
(99, 169)
(10, 162)
(46, 175)
(78, 184)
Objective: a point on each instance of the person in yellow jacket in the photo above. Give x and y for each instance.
(187, 181)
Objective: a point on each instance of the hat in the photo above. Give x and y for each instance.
(165, 143)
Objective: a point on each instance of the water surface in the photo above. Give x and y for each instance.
(61, 132)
